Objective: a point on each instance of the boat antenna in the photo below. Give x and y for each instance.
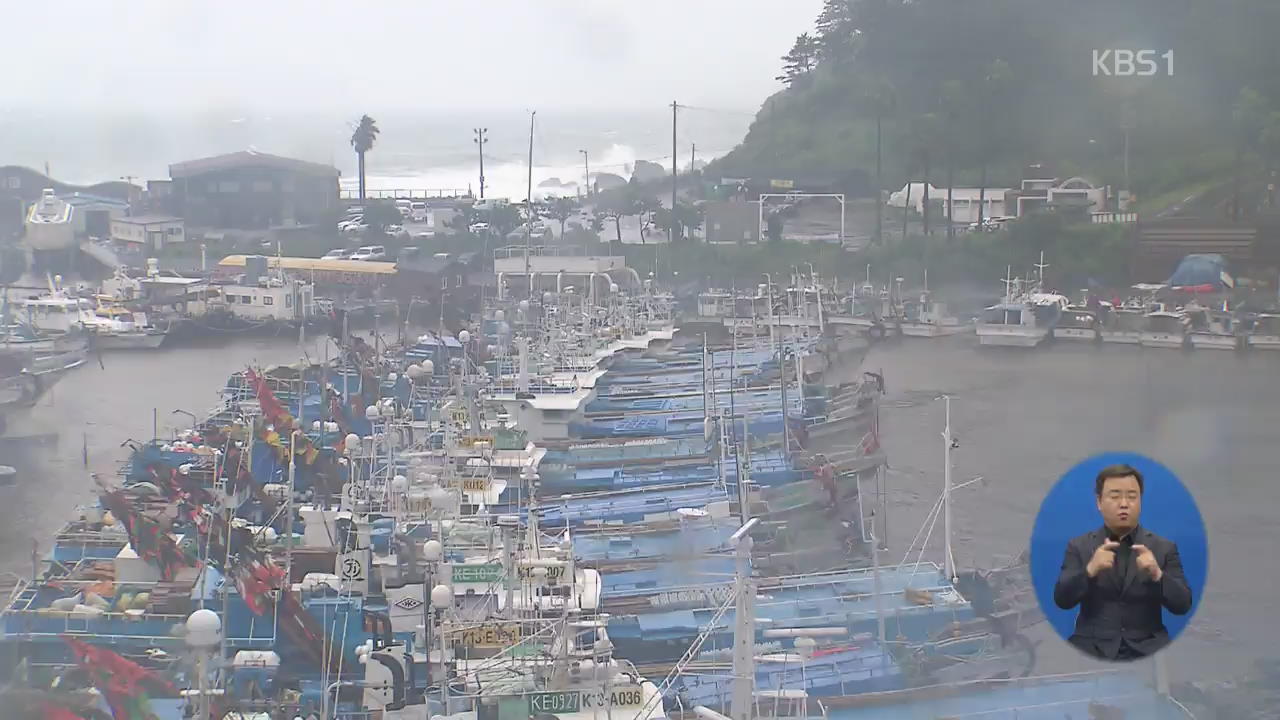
(1008, 283)
(1040, 266)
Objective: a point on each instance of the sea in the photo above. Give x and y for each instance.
(415, 150)
(1021, 419)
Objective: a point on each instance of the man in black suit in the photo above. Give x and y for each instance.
(1121, 575)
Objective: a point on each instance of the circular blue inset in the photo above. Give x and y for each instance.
(1070, 509)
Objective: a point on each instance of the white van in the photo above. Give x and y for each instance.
(418, 212)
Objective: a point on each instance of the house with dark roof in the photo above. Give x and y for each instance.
(251, 190)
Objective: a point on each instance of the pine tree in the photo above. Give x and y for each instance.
(801, 60)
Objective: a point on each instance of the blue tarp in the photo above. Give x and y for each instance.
(1202, 270)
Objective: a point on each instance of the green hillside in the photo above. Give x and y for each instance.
(998, 85)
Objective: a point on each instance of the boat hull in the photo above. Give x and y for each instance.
(1086, 334)
(1214, 341)
(1163, 340)
(1011, 337)
(1264, 342)
(1121, 337)
(929, 330)
(130, 341)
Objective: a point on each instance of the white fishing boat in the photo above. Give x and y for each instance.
(1212, 330)
(1024, 321)
(1123, 324)
(1265, 334)
(1164, 328)
(1077, 323)
(927, 317)
(57, 312)
(1024, 318)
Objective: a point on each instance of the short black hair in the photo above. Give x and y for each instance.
(1116, 471)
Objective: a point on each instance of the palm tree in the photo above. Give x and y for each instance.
(362, 140)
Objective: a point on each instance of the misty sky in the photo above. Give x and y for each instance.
(158, 55)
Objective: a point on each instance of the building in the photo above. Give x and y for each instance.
(153, 232)
(253, 191)
(732, 221)
(965, 204)
(1039, 193)
(347, 274)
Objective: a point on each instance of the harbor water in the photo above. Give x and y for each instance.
(1022, 419)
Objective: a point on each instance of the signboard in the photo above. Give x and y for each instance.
(782, 184)
(476, 484)
(572, 701)
(488, 636)
(555, 574)
(488, 574)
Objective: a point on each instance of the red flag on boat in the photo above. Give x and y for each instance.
(123, 683)
(272, 409)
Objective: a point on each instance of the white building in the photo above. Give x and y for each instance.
(153, 231)
(965, 203)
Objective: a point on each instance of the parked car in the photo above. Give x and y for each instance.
(427, 235)
(353, 220)
(370, 252)
(339, 254)
(355, 228)
(393, 229)
(478, 228)
(418, 212)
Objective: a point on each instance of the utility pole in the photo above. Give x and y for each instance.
(671, 232)
(693, 157)
(480, 140)
(528, 228)
(586, 171)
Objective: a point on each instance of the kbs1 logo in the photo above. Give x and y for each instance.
(1132, 63)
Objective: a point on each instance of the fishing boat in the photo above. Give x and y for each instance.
(1080, 321)
(1164, 328)
(1265, 333)
(1024, 321)
(111, 328)
(1123, 324)
(1212, 330)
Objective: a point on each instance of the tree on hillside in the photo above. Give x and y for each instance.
(362, 140)
(955, 110)
(990, 91)
(1248, 114)
(880, 102)
(925, 134)
(1269, 140)
(838, 30)
(800, 61)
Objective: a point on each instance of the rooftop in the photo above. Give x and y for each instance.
(149, 219)
(248, 158)
(367, 267)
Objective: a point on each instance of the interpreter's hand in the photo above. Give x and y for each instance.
(1104, 558)
(1146, 562)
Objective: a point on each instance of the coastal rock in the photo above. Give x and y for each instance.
(553, 182)
(607, 181)
(646, 171)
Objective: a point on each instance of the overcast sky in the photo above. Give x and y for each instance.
(396, 54)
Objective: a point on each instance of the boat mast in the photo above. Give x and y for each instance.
(949, 562)
(1040, 266)
(744, 626)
